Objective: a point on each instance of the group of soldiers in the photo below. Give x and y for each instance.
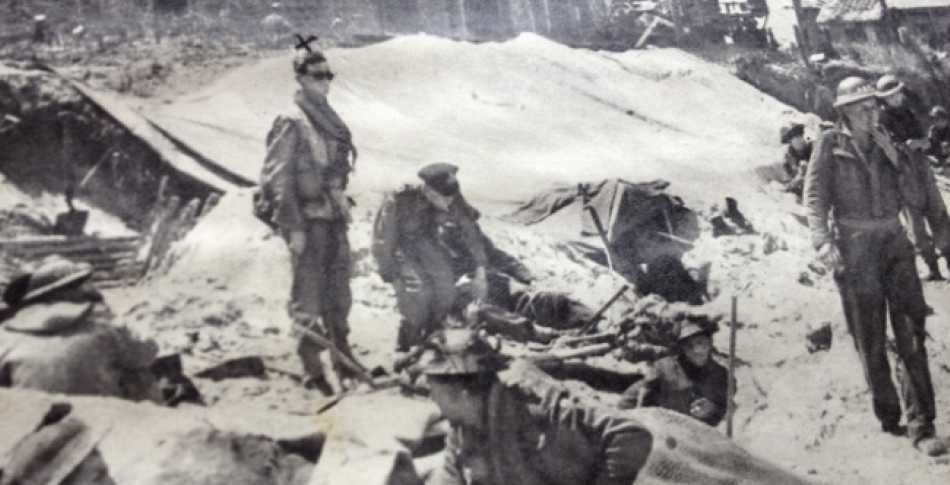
(511, 423)
(922, 214)
(861, 175)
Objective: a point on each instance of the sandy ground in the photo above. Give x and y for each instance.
(517, 117)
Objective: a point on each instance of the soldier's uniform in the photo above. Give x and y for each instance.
(411, 255)
(924, 208)
(307, 168)
(902, 126)
(862, 188)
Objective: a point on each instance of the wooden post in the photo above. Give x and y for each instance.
(730, 403)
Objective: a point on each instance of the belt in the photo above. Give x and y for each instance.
(869, 224)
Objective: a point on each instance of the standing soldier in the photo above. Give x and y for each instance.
(302, 194)
(411, 255)
(855, 174)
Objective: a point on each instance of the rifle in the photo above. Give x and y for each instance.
(600, 313)
(347, 361)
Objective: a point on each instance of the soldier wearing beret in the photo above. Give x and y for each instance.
(411, 255)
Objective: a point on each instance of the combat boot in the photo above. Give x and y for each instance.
(931, 446)
(319, 383)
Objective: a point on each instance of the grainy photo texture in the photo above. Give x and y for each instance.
(474, 242)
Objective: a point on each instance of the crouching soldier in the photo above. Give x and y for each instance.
(56, 336)
(515, 424)
(410, 253)
(690, 382)
(305, 173)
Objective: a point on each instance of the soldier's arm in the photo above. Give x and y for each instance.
(623, 443)
(641, 393)
(450, 473)
(385, 238)
(936, 209)
(279, 166)
(817, 192)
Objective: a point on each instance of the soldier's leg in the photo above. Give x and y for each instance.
(923, 242)
(308, 288)
(442, 278)
(908, 313)
(862, 296)
(338, 300)
(413, 296)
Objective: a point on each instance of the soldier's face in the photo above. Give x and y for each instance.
(862, 115)
(316, 81)
(895, 100)
(698, 348)
(798, 143)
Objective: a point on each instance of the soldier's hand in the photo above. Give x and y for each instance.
(702, 408)
(829, 255)
(917, 143)
(297, 242)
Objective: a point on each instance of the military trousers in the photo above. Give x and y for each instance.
(321, 290)
(878, 279)
(425, 291)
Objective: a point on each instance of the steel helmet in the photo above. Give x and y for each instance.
(888, 85)
(853, 89)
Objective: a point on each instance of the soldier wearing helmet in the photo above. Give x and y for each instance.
(515, 424)
(939, 135)
(689, 382)
(897, 118)
(854, 193)
(797, 153)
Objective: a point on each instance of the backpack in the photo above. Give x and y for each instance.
(264, 198)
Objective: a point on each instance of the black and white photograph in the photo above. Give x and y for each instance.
(474, 242)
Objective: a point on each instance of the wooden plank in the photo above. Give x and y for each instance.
(54, 239)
